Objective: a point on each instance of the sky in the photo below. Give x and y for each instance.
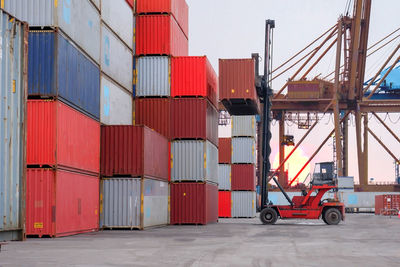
(235, 29)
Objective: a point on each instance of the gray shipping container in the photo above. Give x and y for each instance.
(194, 161)
(243, 204)
(153, 76)
(115, 103)
(243, 150)
(13, 95)
(122, 206)
(118, 15)
(116, 59)
(243, 126)
(224, 177)
(79, 19)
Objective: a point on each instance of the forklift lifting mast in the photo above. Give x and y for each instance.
(301, 207)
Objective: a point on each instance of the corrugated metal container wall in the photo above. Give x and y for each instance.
(243, 150)
(61, 203)
(178, 8)
(224, 150)
(194, 76)
(243, 204)
(193, 160)
(194, 203)
(224, 204)
(304, 89)
(82, 27)
(194, 118)
(243, 177)
(116, 59)
(133, 150)
(160, 35)
(57, 68)
(224, 176)
(387, 205)
(118, 15)
(243, 126)
(13, 93)
(154, 113)
(115, 104)
(59, 135)
(153, 76)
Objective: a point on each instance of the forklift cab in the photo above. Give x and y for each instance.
(324, 174)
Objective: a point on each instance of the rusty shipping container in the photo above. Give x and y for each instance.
(194, 203)
(387, 205)
(195, 77)
(243, 177)
(160, 35)
(61, 203)
(155, 114)
(194, 118)
(60, 136)
(177, 8)
(237, 90)
(224, 150)
(137, 151)
(224, 204)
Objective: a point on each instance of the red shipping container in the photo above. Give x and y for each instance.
(177, 8)
(160, 35)
(154, 113)
(224, 204)
(194, 203)
(61, 203)
(237, 90)
(60, 136)
(243, 177)
(224, 150)
(133, 150)
(194, 118)
(387, 205)
(194, 76)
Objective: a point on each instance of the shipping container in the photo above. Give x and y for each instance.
(224, 204)
(194, 118)
(237, 90)
(116, 59)
(133, 150)
(160, 35)
(133, 203)
(118, 15)
(153, 76)
(243, 204)
(243, 126)
(224, 177)
(154, 113)
(224, 150)
(60, 136)
(81, 27)
(310, 89)
(194, 203)
(346, 183)
(387, 205)
(13, 93)
(58, 68)
(61, 203)
(243, 177)
(243, 150)
(194, 160)
(177, 8)
(194, 76)
(115, 103)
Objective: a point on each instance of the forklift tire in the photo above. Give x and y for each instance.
(332, 216)
(268, 216)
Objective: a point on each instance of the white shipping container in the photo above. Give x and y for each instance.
(243, 126)
(118, 15)
(116, 59)
(243, 150)
(224, 177)
(79, 19)
(115, 103)
(243, 204)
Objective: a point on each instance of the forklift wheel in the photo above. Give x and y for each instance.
(268, 216)
(332, 216)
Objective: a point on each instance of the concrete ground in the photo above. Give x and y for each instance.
(362, 240)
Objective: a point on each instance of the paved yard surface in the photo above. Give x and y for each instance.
(362, 240)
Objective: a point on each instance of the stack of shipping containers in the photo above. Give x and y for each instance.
(224, 178)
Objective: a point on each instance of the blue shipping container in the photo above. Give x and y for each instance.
(59, 69)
